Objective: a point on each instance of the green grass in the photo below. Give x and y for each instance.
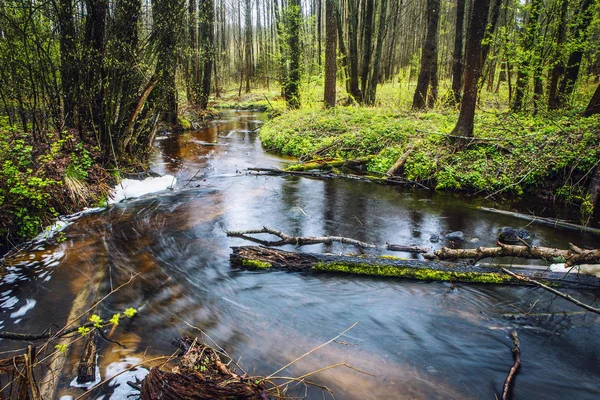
(524, 154)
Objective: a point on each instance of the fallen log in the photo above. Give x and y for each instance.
(543, 221)
(331, 175)
(256, 257)
(200, 374)
(572, 257)
(329, 164)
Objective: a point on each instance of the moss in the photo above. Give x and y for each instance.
(411, 273)
(183, 122)
(255, 264)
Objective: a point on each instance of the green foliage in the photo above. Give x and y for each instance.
(521, 153)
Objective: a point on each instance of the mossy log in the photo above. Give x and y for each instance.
(256, 257)
(200, 374)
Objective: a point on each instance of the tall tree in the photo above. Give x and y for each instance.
(68, 53)
(527, 54)
(330, 53)
(375, 63)
(294, 21)
(457, 55)
(429, 55)
(558, 67)
(207, 26)
(473, 67)
(571, 73)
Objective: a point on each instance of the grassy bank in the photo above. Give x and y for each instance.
(550, 154)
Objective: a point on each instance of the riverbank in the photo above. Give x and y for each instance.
(552, 155)
(45, 175)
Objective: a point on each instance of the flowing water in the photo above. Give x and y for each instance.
(414, 339)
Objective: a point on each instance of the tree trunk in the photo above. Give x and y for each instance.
(594, 105)
(429, 55)
(375, 70)
(567, 84)
(68, 57)
(207, 11)
(457, 55)
(527, 48)
(473, 67)
(558, 68)
(292, 91)
(330, 53)
(248, 44)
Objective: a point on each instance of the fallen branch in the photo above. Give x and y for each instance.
(295, 240)
(400, 162)
(408, 249)
(551, 290)
(257, 257)
(516, 352)
(573, 256)
(331, 175)
(543, 221)
(329, 164)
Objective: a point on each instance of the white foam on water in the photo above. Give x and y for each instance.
(131, 188)
(591, 269)
(29, 304)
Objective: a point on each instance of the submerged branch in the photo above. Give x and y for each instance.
(551, 290)
(516, 352)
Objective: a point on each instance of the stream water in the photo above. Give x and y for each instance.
(416, 340)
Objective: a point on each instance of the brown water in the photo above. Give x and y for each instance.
(417, 339)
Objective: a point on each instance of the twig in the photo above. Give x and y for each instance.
(310, 352)
(516, 352)
(551, 290)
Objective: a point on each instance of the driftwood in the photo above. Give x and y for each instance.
(516, 352)
(256, 257)
(298, 241)
(573, 256)
(200, 374)
(331, 175)
(543, 221)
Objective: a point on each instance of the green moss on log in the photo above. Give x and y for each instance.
(424, 274)
(256, 264)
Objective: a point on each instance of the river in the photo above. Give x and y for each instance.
(416, 340)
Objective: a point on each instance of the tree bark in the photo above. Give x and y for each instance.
(457, 55)
(473, 67)
(429, 55)
(594, 104)
(527, 47)
(292, 91)
(330, 53)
